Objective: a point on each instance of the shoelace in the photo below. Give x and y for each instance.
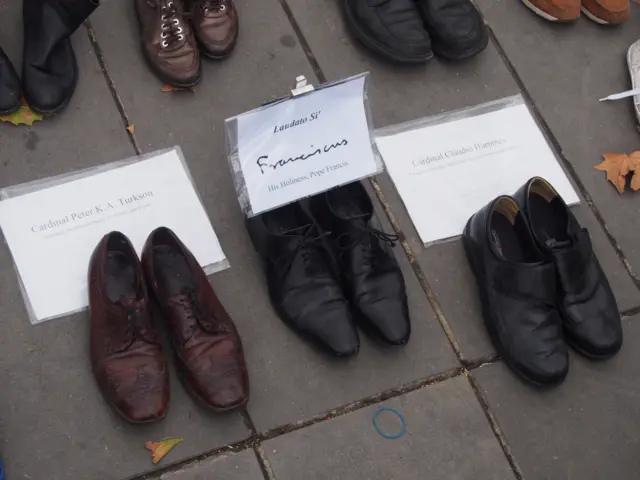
(361, 233)
(171, 18)
(308, 242)
(348, 240)
(194, 313)
(133, 322)
(214, 5)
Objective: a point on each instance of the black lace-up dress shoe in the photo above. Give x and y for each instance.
(517, 287)
(9, 86)
(303, 286)
(391, 28)
(456, 28)
(586, 303)
(373, 279)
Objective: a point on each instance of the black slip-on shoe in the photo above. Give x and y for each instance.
(391, 28)
(456, 28)
(373, 280)
(517, 287)
(302, 283)
(9, 86)
(586, 302)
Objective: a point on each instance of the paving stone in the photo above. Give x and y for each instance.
(399, 94)
(566, 71)
(290, 380)
(89, 132)
(447, 436)
(235, 466)
(587, 428)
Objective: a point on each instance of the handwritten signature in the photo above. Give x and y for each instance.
(263, 161)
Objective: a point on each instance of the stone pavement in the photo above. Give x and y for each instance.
(310, 416)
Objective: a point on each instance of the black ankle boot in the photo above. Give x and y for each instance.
(9, 86)
(50, 70)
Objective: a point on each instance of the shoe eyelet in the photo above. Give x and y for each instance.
(163, 18)
(170, 4)
(179, 30)
(176, 21)
(223, 8)
(164, 35)
(180, 37)
(164, 44)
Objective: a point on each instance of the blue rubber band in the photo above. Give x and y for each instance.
(386, 435)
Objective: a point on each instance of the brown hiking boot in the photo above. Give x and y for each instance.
(215, 24)
(607, 12)
(555, 10)
(167, 41)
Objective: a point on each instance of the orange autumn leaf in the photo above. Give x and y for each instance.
(131, 128)
(166, 88)
(618, 166)
(160, 449)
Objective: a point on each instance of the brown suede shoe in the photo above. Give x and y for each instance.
(126, 357)
(215, 23)
(207, 347)
(168, 44)
(607, 12)
(555, 10)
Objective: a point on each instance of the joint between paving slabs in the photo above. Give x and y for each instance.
(570, 169)
(112, 87)
(311, 58)
(255, 440)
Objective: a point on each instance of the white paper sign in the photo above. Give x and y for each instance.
(52, 232)
(446, 172)
(305, 145)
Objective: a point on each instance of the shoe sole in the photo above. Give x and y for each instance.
(495, 339)
(470, 52)
(634, 73)
(10, 111)
(591, 16)
(372, 44)
(545, 15)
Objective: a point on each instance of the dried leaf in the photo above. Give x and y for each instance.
(23, 116)
(132, 128)
(618, 166)
(160, 449)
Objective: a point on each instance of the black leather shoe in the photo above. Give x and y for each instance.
(372, 277)
(390, 28)
(49, 68)
(456, 28)
(517, 287)
(9, 86)
(303, 287)
(586, 303)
